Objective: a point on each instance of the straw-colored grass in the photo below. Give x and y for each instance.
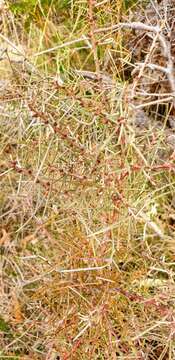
(87, 200)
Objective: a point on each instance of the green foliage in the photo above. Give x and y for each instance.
(61, 4)
(127, 4)
(4, 327)
(35, 10)
(23, 6)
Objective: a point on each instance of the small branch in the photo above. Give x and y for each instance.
(60, 46)
(141, 72)
(133, 25)
(154, 102)
(12, 45)
(151, 67)
(165, 45)
(92, 36)
(94, 76)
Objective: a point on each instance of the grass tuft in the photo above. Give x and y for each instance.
(87, 196)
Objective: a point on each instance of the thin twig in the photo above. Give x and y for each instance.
(133, 25)
(165, 45)
(151, 67)
(60, 46)
(92, 36)
(154, 102)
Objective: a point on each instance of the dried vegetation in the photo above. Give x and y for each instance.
(87, 199)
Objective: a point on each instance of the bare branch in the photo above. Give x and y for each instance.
(165, 45)
(133, 25)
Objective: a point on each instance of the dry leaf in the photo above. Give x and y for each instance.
(16, 310)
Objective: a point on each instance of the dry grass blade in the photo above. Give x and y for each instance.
(87, 151)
